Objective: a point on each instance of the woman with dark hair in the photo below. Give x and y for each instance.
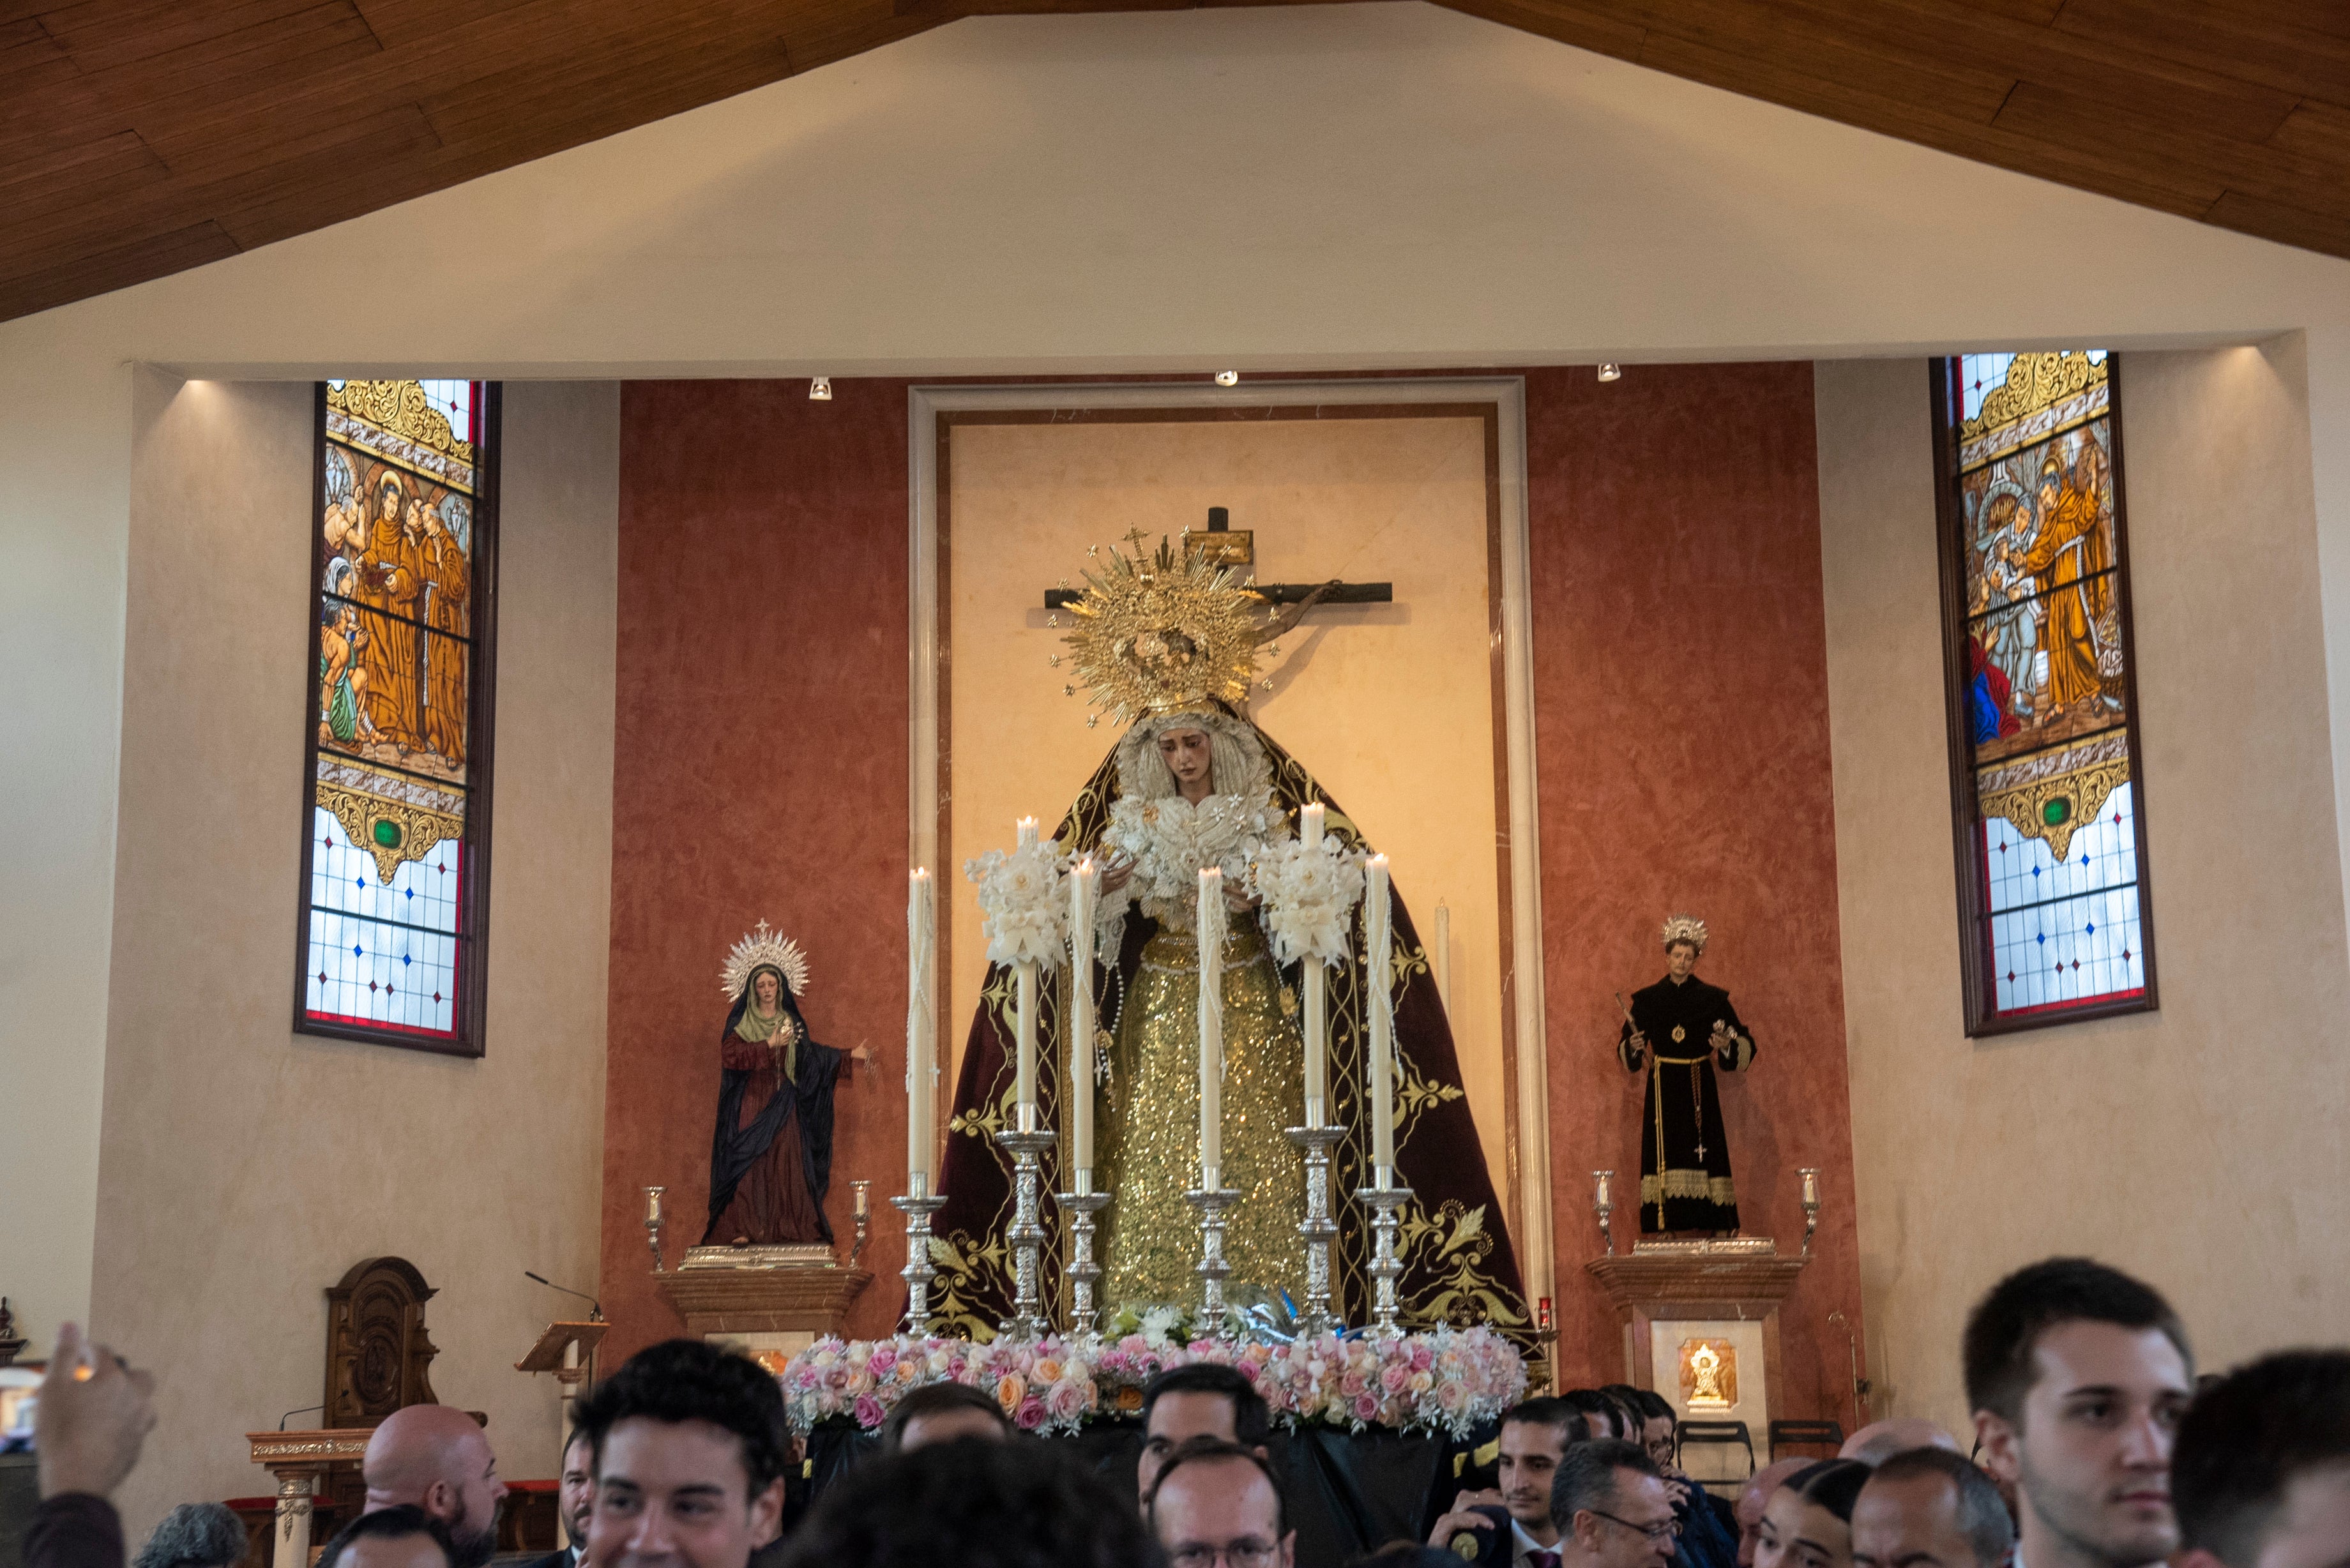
(771, 1153)
(1807, 1523)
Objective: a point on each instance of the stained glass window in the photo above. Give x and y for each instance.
(2043, 724)
(396, 862)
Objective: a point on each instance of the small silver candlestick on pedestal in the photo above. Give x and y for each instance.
(1028, 1143)
(1317, 1227)
(1811, 1175)
(1213, 1268)
(1385, 1197)
(653, 1223)
(863, 1198)
(918, 1206)
(1081, 1206)
(1603, 1203)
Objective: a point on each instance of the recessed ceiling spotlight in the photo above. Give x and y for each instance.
(1610, 373)
(1228, 378)
(820, 390)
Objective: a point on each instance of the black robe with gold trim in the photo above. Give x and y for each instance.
(1685, 1181)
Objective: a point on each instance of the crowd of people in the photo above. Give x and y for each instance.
(2094, 1447)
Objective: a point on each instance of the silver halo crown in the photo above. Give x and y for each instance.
(1685, 929)
(764, 948)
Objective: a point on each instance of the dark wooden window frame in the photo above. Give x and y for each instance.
(470, 1013)
(1977, 978)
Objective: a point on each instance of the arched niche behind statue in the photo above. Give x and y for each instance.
(378, 1354)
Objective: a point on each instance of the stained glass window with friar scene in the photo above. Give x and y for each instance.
(395, 869)
(2045, 780)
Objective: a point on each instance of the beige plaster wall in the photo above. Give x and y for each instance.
(2199, 1146)
(243, 1169)
(1390, 705)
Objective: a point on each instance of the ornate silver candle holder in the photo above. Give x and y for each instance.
(918, 1206)
(1385, 1198)
(653, 1223)
(1603, 1203)
(1317, 1227)
(1213, 1270)
(1026, 1231)
(1811, 1175)
(1081, 1206)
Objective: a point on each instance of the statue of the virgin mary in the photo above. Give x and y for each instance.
(1169, 647)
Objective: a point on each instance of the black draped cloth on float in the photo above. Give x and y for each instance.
(772, 1147)
(1460, 1266)
(1685, 1181)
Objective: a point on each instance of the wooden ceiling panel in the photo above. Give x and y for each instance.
(138, 137)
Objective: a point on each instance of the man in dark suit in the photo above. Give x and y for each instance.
(575, 1502)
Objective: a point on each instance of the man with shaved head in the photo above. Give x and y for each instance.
(438, 1460)
(1754, 1497)
(1880, 1440)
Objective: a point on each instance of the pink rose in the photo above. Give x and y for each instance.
(1365, 1407)
(884, 1358)
(869, 1413)
(1351, 1383)
(1247, 1369)
(1422, 1358)
(1395, 1378)
(1030, 1414)
(1068, 1401)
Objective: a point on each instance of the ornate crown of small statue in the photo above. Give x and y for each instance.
(1685, 929)
(1159, 635)
(764, 947)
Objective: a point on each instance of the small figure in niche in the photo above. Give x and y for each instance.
(1681, 1029)
(771, 1153)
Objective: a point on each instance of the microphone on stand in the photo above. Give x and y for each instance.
(291, 1413)
(596, 1308)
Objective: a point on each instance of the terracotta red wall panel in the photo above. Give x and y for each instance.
(1680, 690)
(759, 772)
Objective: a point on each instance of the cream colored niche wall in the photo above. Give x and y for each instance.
(1391, 706)
(244, 1168)
(2199, 1146)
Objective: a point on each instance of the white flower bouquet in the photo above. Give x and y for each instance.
(1025, 909)
(1309, 896)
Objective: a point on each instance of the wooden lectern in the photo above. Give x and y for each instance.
(299, 1461)
(567, 1350)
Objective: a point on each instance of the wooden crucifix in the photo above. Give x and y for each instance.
(1230, 546)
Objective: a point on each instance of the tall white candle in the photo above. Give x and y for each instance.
(1212, 1028)
(1444, 958)
(1079, 1085)
(1027, 829)
(1380, 973)
(1023, 1087)
(1314, 982)
(922, 945)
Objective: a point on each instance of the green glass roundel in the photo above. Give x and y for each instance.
(2055, 814)
(388, 834)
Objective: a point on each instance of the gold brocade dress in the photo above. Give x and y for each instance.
(1148, 1150)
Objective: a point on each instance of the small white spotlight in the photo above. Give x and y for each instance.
(820, 390)
(1228, 378)
(1610, 373)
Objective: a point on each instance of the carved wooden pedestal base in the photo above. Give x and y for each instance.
(762, 1311)
(1697, 1317)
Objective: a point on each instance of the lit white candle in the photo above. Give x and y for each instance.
(1079, 1087)
(1026, 828)
(1212, 1028)
(1314, 982)
(1380, 974)
(921, 944)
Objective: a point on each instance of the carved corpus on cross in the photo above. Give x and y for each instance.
(1226, 546)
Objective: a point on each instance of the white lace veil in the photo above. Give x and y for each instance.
(1233, 751)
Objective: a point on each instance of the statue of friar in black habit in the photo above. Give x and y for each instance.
(771, 1155)
(1681, 1029)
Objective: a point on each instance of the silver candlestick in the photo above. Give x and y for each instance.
(1081, 1206)
(1385, 1198)
(1027, 1142)
(918, 1206)
(1317, 1227)
(1213, 1268)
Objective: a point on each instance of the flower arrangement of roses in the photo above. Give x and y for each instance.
(1026, 912)
(1309, 896)
(1447, 1380)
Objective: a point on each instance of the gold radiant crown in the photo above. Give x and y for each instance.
(1154, 635)
(1685, 929)
(764, 949)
